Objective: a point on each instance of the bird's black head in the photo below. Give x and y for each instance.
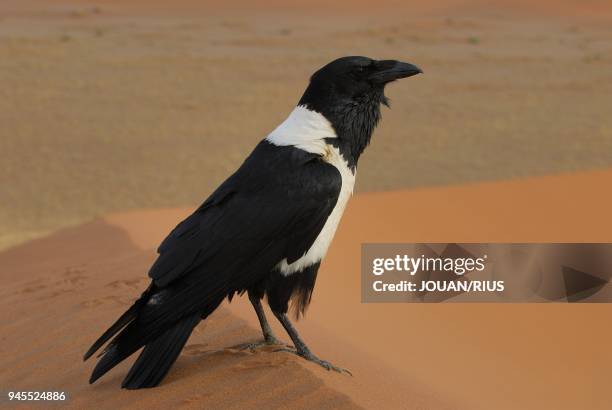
(348, 92)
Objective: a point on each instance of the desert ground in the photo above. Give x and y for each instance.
(61, 291)
(117, 118)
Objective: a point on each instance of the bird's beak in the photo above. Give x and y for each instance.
(391, 70)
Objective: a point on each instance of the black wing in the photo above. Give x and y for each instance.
(272, 208)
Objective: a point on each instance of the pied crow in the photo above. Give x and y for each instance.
(263, 231)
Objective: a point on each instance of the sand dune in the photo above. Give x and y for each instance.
(59, 292)
(62, 290)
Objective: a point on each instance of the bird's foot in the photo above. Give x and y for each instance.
(312, 358)
(268, 341)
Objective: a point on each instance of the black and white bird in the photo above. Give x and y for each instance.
(264, 231)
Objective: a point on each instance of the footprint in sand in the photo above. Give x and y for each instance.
(196, 349)
(132, 284)
(73, 276)
(117, 300)
(262, 360)
(34, 286)
(70, 281)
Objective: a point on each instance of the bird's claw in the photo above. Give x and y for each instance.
(286, 349)
(312, 358)
(269, 341)
(329, 366)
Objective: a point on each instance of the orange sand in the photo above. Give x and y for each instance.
(61, 291)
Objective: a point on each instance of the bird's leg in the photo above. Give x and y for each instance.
(300, 347)
(268, 334)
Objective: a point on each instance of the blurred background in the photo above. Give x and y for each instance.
(116, 105)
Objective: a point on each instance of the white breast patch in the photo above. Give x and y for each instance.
(307, 130)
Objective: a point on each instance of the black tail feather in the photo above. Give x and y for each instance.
(126, 318)
(123, 321)
(123, 345)
(154, 327)
(158, 356)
